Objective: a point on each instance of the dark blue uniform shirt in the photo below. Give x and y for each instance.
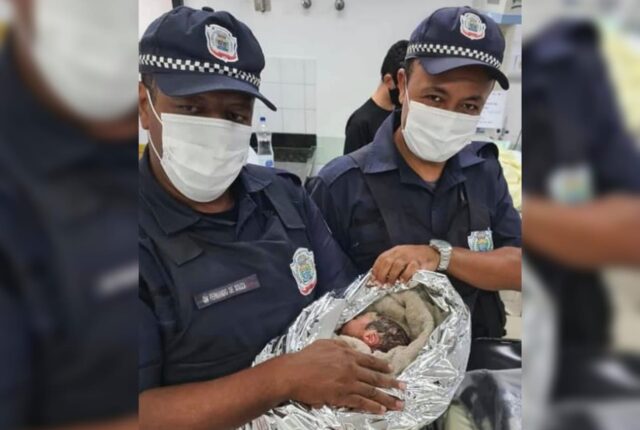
(571, 120)
(372, 200)
(218, 287)
(68, 266)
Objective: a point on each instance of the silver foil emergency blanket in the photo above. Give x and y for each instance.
(432, 378)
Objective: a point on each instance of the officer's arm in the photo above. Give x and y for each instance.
(327, 372)
(499, 269)
(603, 232)
(149, 343)
(493, 271)
(16, 381)
(17, 384)
(218, 404)
(222, 403)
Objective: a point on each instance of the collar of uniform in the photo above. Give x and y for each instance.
(173, 216)
(468, 156)
(43, 141)
(451, 175)
(253, 181)
(453, 172)
(382, 153)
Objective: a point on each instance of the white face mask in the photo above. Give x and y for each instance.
(201, 156)
(435, 134)
(84, 51)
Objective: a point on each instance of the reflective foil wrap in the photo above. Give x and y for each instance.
(432, 377)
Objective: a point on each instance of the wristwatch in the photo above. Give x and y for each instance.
(444, 249)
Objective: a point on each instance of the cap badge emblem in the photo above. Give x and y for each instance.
(472, 27)
(221, 43)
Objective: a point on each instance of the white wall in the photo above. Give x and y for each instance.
(5, 11)
(290, 84)
(348, 45)
(148, 10)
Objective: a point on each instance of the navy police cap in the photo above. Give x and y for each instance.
(191, 51)
(455, 37)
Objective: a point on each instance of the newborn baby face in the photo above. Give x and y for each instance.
(357, 328)
(377, 331)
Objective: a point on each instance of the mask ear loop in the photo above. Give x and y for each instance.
(406, 93)
(406, 89)
(153, 109)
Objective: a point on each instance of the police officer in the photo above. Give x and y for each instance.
(420, 196)
(582, 196)
(68, 217)
(229, 253)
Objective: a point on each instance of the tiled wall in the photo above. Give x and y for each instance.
(290, 83)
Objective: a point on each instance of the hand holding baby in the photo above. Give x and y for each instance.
(328, 372)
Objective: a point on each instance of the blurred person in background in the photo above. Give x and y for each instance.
(68, 216)
(422, 195)
(365, 121)
(230, 253)
(581, 213)
(582, 197)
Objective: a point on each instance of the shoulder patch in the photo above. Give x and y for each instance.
(268, 173)
(485, 149)
(290, 176)
(336, 168)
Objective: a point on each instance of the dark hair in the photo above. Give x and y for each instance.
(393, 60)
(407, 66)
(149, 82)
(391, 333)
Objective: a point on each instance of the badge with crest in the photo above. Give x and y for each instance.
(221, 43)
(481, 241)
(303, 268)
(472, 27)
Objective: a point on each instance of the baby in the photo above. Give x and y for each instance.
(379, 332)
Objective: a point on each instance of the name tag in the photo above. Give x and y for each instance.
(220, 294)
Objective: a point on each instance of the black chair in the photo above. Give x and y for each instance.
(589, 373)
(491, 354)
(495, 354)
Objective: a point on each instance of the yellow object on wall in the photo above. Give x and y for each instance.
(511, 162)
(623, 59)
